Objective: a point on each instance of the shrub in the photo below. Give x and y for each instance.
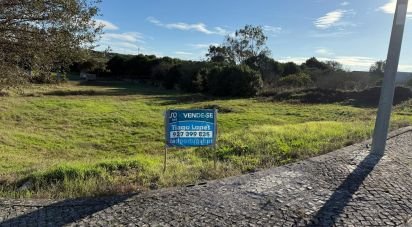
(295, 80)
(345, 81)
(290, 68)
(172, 77)
(315, 63)
(160, 72)
(116, 65)
(236, 80)
(193, 77)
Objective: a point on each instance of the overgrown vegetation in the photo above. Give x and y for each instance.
(75, 140)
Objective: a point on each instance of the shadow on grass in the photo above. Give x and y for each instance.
(124, 88)
(121, 88)
(112, 88)
(334, 206)
(64, 212)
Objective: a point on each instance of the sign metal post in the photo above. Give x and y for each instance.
(215, 141)
(388, 86)
(165, 155)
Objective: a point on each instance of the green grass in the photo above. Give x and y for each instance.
(77, 140)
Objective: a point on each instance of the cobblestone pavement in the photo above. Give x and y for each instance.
(348, 187)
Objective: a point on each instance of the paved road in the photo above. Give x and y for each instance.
(348, 187)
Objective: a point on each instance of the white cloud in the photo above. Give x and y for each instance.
(106, 24)
(323, 52)
(345, 3)
(354, 62)
(203, 45)
(271, 30)
(124, 43)
(334, 34)
(390, 7)
(127, 36)
(121, 47)
(183, 53)
(128, 48)
(221, 31)
(297, 60)
(199, 27)
(154, 21)
(330, 19)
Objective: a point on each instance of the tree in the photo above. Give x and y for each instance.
(315, 63)
(334, 66)
(378, 68)
(172, 77)
(116, 65)
(247, 42)
(42, 36)
(290, 68)
(91, 62)
(219, 54)
(268, 68)
(234, 80)
(140, 66)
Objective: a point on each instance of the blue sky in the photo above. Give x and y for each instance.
(353, 32)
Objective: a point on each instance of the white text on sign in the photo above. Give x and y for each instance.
(191, 134)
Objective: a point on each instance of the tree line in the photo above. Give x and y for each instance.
(240, 66)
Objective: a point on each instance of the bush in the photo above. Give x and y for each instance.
(345, 81)
(172, 77)
(159, 73)
(315, 63)
(290, 68)
(295, 80)
(193, 77)
(239, 81)
(116, 65)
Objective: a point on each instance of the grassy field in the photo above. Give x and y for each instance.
(77, 140)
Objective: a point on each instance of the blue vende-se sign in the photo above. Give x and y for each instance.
(191, 128)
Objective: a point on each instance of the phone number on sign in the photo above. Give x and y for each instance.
(191, 134)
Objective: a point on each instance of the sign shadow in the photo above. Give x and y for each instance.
(334, 206)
